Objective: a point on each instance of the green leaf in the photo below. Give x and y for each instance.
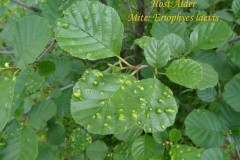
(56, 134)
(163, 28)
(8, 32)
(209, 77)
(6, 98)
(113, 108)
(160, 137)
(80, 140)
(63, 103)
(176, 44)
(98, 102)
(41, 113)
(180, 152)
(45, 152)
(90, 30)
(204, 129)
(231, 93)
(228, 117)
(203, 4)
(207, 95)
(122, 151)
(129, 135)
(185, 72)
(157, 103)
(217, 60)
(27, 82)
(209, 35)
(143, 41)
(225, 15)
(31, 36)
(175, 135)
(214, 153)
(21, 145)
(143, 148)
(192, 74)
(236, 7)
(122, 103)
(97, 150)
(63, 69)
(46, 68)
(157, 53)
(233, 54)
(53, 9)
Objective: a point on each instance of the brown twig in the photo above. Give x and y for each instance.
(139, 30)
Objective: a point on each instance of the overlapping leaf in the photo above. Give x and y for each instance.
(209, 77)
(122, 151)
(32, 34)
(176, 44)
(236, 7)
(217, 60)
(214, 153)
(209, 35)
(233, 54)
(97, 150)
(164, 28)
(41, 113)
(53, 9)
(90, 30)
(231, 94)
(204, 129)
(21, 145)
(143, 41)
(207, 95)
(180, 152)
(144, 148)
(108, 104)
(157, 53)
(192, 74)
(6, 97)
(97, 102)
(185, 72)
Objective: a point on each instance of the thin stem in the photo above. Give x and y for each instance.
(185, 54)
(161, 73)
(124, 61)
(238, 151)
(49, 48)
(24, 5)
(117, 63)
(155, 73)
(219, 89)
(134, 72)
(67, 87)
(9, 68)
(6, 52)
(63, 89)
(234, 40)
(138, 69)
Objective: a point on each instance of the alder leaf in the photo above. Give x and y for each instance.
(90, 30)
(157, 53)
(204, 129)
(209, 35)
